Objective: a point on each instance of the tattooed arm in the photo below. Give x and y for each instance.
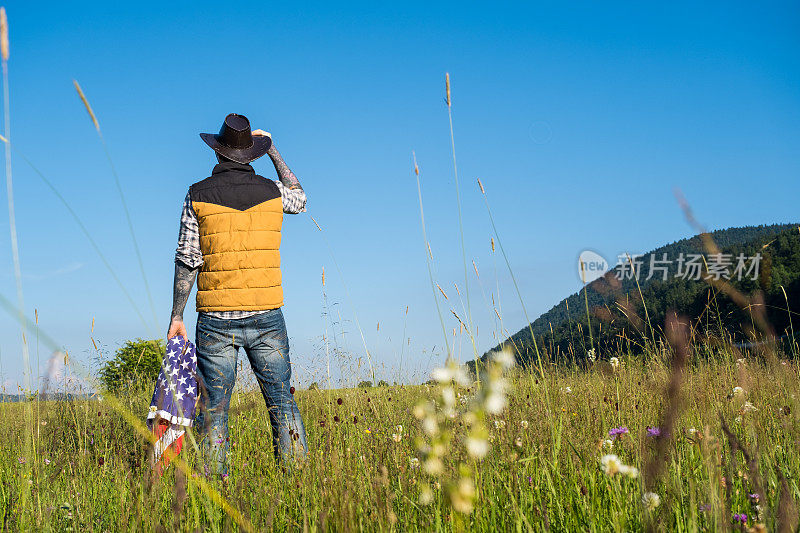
(181, 287)
(287, 176)
(292, 194)
(188, 260)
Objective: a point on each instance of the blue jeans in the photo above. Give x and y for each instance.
(266, 344)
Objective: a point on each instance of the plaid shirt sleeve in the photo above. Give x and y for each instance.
(294, 200)
(188, 251)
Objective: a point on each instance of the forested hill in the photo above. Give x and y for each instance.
(677, 283)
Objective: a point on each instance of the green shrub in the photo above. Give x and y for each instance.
(136, 364)
(365, 385)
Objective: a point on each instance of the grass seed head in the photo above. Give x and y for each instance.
(86, 104)
(4, 48)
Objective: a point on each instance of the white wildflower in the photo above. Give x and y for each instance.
(430, 426)
(499, 424)
(591, 355)
(504, 358)
(495, 403)
(610, 464)
(524, 424)
(651, 500)
(477, 447)
(442, 375)
(615, 363)
(425, 495)
(449, 397)
(518, 442)
(452, 372)
(463, 495)
(748, 407)
(630, 471)
(433, 466)
(608, 444)
(738, 393)
(414, 462)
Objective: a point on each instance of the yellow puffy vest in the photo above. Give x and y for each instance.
(239, 215)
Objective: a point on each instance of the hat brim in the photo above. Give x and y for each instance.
(261, 143)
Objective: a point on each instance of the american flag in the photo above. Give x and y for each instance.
(174, 399)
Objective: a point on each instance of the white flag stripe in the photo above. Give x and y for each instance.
(169, 436)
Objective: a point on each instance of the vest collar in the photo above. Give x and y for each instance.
(229, 166)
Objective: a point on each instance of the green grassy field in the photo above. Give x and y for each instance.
(78, 466)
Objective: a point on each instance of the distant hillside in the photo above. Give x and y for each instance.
(563, 331)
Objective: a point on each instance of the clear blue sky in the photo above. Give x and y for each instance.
(580, 120)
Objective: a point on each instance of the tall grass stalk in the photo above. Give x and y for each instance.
(325, 332)
(12, 225)
(121, 198)
(403, 346)
(83, 229)
(12, 219)
(347, 294)
(539, 363)
(511, 273)
(650, 329)
(791, 324)
(429, 258)
(586, 302)
(460, 216)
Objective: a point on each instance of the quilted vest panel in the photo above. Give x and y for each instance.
(240, 216)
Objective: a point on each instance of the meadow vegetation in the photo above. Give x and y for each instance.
(570, 451)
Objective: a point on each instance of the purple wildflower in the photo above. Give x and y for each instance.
(755, 497)
(704, 507)
(653, 431)
(21, 460)
(741, 518)
(616, 432)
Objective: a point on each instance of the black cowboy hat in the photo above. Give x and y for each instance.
(235, 140)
